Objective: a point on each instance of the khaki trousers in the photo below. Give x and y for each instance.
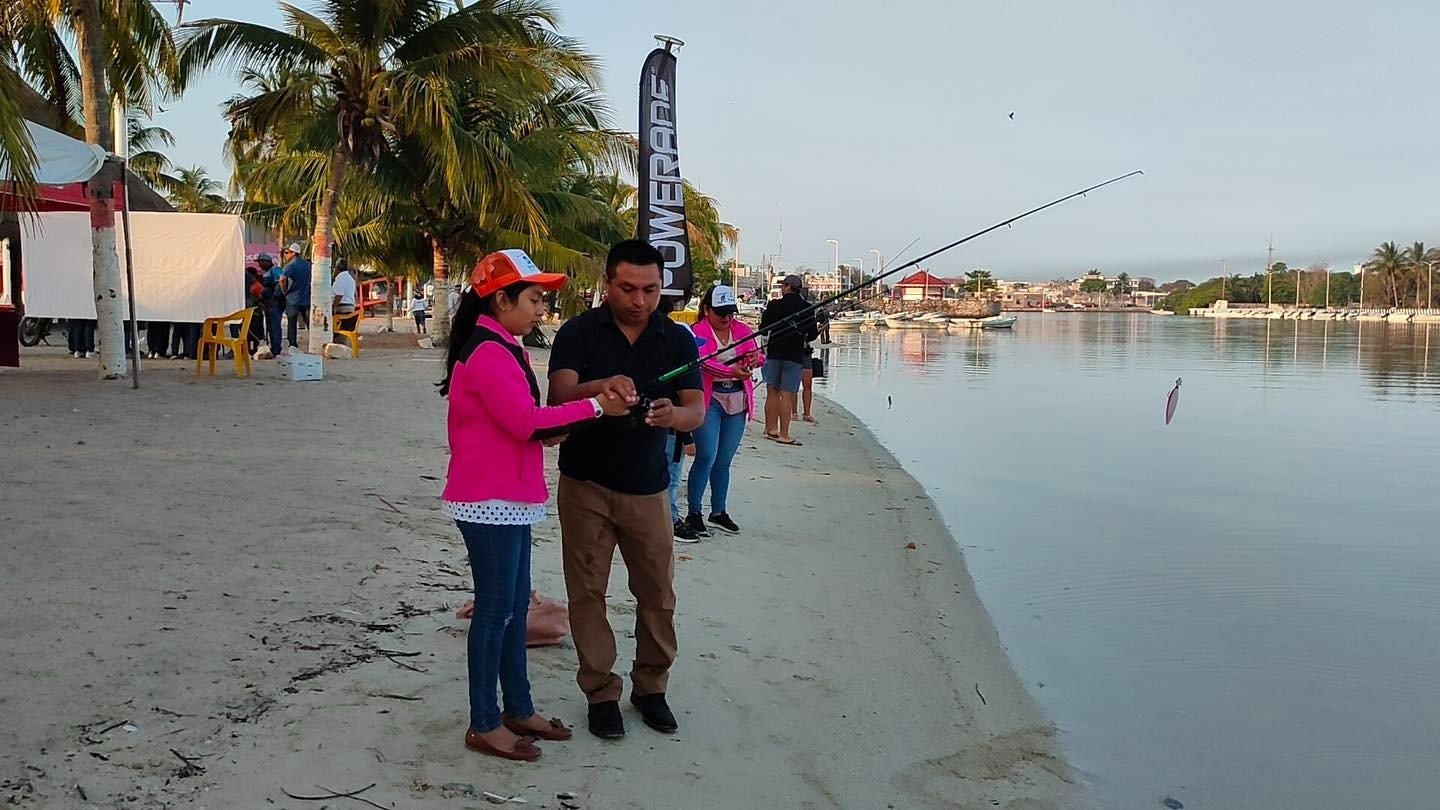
(593, 522)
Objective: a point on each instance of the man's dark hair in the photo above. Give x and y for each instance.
(633, 251)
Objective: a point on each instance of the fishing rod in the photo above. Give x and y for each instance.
(777, 330)
(794, 320)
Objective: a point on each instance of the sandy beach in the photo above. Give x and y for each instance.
(221, 590)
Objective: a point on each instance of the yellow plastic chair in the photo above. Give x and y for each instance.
(349, 332)
(215, 336)
(685, 316)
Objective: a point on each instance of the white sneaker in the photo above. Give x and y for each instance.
(77, 355)
(93, 355)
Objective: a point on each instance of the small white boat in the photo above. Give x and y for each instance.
(1161, 312)
(848, 321)
(998, 322)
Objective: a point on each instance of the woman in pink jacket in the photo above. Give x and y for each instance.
(495, 489)
(730, 402)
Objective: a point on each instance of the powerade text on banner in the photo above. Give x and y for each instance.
(661, 220)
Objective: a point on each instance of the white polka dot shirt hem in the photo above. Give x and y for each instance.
(495, 512)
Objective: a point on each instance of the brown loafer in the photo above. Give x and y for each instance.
(525, 749)
(557, 732)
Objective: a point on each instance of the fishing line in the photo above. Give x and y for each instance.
(795, 319)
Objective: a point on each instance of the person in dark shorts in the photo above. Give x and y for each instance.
(785, 357)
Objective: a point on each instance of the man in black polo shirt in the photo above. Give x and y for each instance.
(613, 480)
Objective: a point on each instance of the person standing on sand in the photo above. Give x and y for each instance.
(295, 282)
(807, 388)
(272, 300)
(495, 488)
(417, 309)
(613, 481)
(785, 354)
(730, 402)
(677, 447)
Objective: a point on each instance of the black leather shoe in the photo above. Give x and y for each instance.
(605, 720)
(656, 712)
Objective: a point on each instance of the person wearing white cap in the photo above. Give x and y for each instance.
(730, 403)
(295, 281)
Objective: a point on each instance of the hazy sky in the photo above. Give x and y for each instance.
(875, 123)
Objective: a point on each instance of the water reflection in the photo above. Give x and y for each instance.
(1235, 609)
(1392, 358)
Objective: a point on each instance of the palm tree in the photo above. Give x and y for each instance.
(373, 77)
(193, 191)
(1388, 261)
(124, 52)
(981, 278)
(145, 158)
(1416, 257)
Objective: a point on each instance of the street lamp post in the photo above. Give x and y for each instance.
(835, 243)
(735, 265)
(879, 261)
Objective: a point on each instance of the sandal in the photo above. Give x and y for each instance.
(557, 732)
(789, 443)
(772, 436)
(525, 749)
(811, 419)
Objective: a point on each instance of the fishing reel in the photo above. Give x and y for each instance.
(635, 419)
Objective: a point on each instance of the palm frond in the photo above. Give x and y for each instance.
(227, 43)
(17, 152)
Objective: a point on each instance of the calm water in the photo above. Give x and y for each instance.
(1240, 610)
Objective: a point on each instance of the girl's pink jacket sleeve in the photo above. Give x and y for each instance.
(504, 392)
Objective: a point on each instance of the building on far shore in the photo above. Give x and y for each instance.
(920, 286)
(745, 279)
(822, 285)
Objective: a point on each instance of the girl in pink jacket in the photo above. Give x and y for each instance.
(495, 489)
(729, 401)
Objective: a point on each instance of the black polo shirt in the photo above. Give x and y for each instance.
(788, 342)
(612, 451)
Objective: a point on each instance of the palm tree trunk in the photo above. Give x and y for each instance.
(390, 304)
(104, 258)
(440, 253)
(321, 305)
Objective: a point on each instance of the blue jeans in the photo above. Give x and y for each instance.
(675, 473)
(273, 329)
(495, 650)
(715, 444)
(295, 314)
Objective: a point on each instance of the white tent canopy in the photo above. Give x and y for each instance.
(62, 159)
